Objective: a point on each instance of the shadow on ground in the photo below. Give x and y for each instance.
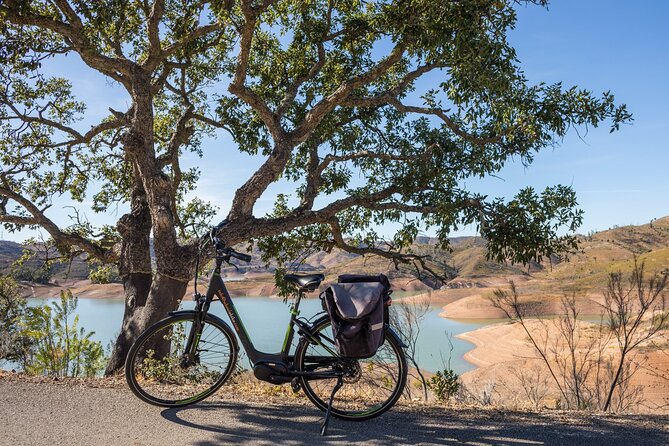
(242, 423)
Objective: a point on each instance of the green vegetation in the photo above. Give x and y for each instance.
(57, 346)
(12, 311)
(104, 274)
(46, 339)
(444, 384)
(25, 273)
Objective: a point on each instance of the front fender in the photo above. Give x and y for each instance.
(180, 312)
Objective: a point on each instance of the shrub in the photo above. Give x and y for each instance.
(444, 384)
(12, 311)
(25, 273)
(103, 274)
(58, 346)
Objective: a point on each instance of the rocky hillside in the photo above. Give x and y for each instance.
(465, 266)
(584, 275)
(10, 252)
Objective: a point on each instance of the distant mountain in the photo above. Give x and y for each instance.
(465, 265)
(10, 252)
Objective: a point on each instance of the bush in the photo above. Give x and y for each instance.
(12, 311)
(444, 384)
(57, 346)
(25, 273)
(104, 274)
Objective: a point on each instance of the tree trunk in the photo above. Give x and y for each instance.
(614, 383)
(135, 269)
(148, 297)
(136, 287)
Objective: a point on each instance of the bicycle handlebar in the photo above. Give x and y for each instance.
(238, 255)
(220, 245)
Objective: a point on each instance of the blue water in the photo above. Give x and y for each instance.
(266, 320)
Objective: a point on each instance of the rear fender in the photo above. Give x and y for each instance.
(390, 331)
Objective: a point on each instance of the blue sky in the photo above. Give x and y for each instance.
(619, 178)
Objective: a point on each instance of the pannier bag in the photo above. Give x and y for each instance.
(356, 308)
(382, 279)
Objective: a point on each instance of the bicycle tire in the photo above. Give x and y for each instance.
(147, 376)
(319, 397)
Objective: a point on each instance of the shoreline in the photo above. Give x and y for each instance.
(477, 343)
(432, 338)
(478, 353)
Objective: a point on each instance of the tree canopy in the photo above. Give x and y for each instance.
(323, 91)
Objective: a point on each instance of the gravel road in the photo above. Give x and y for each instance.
(55, 414)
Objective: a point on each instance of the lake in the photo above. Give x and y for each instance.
(266, 320)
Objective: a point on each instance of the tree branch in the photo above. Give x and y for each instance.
(238, 86)
(155, 50)
(61, 238)
(455, 128)
(327, 104)
(393, 93)
(73, 32)
(417, 261)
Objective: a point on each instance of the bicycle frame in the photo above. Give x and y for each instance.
(218, 291)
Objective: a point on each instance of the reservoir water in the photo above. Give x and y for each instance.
(266, 319)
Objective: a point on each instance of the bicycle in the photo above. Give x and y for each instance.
(190, 354)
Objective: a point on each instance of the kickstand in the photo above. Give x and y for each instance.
(324, 426)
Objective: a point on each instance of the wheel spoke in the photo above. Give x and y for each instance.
(371, 385)
(160, 373)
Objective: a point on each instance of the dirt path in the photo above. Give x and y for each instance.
(33, 413)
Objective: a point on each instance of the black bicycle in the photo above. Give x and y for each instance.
(187, 356)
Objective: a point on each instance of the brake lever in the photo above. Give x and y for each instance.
(227, 260)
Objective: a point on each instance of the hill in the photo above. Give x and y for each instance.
(585, 274)
(470, 276)
(10, 252)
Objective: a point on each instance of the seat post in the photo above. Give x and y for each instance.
(296, 306)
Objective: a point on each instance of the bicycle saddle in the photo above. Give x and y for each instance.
(306, 282)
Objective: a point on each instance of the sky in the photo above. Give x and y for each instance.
(600, 45)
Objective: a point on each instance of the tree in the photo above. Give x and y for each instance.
(408, 317)
(320, 90)
(636, 313)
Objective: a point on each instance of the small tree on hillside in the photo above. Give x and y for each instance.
(320, 91)
(576, 359)
(636, 313)
(408, 317)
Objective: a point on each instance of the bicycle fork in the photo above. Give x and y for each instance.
(190, 350)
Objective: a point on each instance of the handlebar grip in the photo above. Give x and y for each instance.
(243, 257)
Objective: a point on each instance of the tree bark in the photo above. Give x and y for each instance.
(135, 269)
(149, 297)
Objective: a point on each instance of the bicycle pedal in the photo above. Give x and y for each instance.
(296, 384)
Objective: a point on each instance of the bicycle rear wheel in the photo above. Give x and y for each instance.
(371, 386)
(159, 372)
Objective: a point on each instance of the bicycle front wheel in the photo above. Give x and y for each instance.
(160, 372)
(371, 386)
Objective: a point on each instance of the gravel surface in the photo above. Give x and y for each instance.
(34, 412)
